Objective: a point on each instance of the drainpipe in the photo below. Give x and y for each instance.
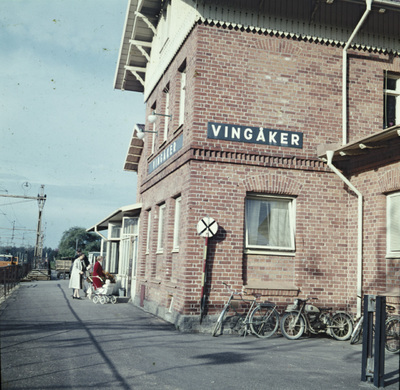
(329, 155)
(344, 71)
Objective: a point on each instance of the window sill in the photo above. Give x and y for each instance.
(270, 285)
(175, 250)
(155, 281)
(393, 256)
(160, 252)
(269, 253)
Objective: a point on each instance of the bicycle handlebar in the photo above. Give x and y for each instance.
(233, 291)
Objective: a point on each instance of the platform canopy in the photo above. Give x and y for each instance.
(117, 217)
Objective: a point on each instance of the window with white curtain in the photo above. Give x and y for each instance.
(270, 223)
(393, 225)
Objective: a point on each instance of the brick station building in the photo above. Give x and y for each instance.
(280, 120)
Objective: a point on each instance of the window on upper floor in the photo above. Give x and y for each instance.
(182, 96)
(166, 112)
(391, 88)
(393, 225)
(153, 128)
(270, 223)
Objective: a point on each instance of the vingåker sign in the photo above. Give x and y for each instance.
(254, 135)
(166, 154)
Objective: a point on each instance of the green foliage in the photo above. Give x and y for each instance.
(26, 254)
(77, 237)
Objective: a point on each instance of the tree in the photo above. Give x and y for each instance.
(77, 237)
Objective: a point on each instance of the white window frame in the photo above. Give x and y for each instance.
(153, 140)
(130, 228)
(166, 113)
(177, 222)
(393, 225)
(182, 97)
(148, 232)
(160, 234)
(291, 220)
(113, 241)
(396, 94)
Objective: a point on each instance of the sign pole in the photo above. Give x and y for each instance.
(206, 228)
(203, 280)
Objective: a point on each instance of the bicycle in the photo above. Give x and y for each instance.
(262, 319)
(392, 331)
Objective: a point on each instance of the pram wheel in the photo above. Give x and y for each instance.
(95, 299)
(113, 299)
(103, 300)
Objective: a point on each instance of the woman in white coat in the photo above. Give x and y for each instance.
(75, 279)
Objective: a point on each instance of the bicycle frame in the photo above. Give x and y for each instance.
(244, 328)
(251, 322)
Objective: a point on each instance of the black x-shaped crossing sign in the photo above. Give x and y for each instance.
(207, 227)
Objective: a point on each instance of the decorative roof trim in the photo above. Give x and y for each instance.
(291, 35)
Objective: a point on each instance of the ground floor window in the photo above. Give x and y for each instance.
(393, 225)
(270, 223)
(160, 236)
(113, 259)
(177, 222)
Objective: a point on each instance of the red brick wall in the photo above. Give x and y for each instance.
(249, 79)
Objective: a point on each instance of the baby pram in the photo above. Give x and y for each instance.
(102, 294)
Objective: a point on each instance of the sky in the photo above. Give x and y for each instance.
(62, 123)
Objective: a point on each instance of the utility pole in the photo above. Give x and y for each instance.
(39, 237)
(41, 199)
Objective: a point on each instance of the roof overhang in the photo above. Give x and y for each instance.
(142, 18)
(362, 147)
(135, 150)
(140, 26)
(117, 216)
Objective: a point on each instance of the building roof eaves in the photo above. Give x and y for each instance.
(115, 216)
(361, 146)
(300, 36)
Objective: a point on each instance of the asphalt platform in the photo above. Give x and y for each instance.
(50, 341)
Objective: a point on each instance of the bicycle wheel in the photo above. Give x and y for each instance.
(356, 335)
(218, 325)
(264, 321)
(289, 328)
(342, 326)
(392, 326)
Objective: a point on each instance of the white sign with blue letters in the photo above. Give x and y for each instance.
(254, 135)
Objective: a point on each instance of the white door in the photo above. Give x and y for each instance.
(130, 236)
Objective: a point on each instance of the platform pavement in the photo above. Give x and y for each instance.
(49, 341)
